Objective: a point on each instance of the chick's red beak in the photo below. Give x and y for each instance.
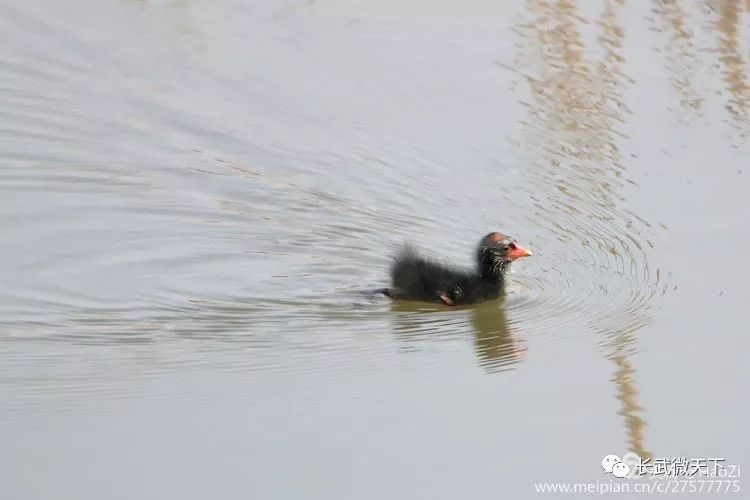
(518, 252)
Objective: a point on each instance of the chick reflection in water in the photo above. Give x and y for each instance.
(496, 343)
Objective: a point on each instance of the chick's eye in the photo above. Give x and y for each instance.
(504, 248)
(513, 246)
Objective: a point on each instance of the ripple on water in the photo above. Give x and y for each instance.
(156, 230)
(594, 250)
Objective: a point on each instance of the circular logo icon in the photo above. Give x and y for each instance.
(609, 461)
(621, 470)
(632, 460)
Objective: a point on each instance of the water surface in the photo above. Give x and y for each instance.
(196, 197)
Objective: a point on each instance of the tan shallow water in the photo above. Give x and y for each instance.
(197, 197)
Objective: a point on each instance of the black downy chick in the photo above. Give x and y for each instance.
(416, 278)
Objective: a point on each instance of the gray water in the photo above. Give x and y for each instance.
(196, 198)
